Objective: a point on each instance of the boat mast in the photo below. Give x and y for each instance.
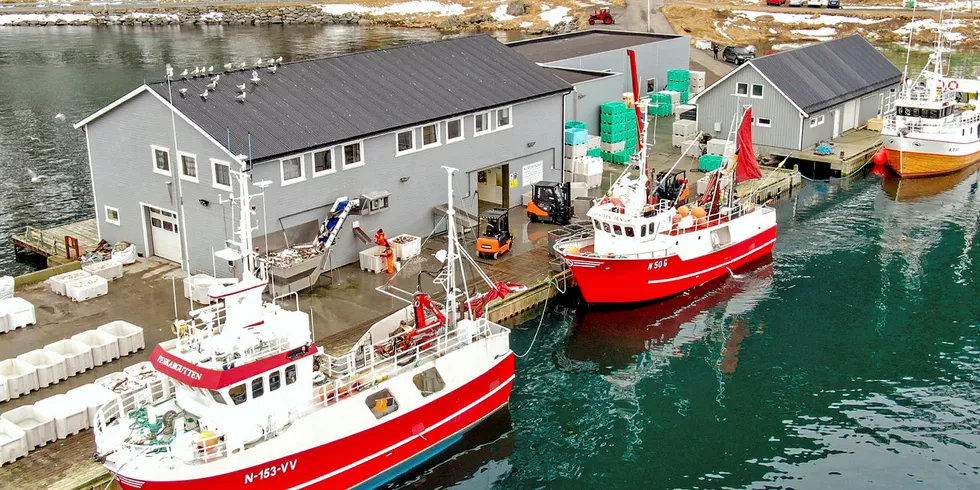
(908, 49)
(451, 256)
(641, 127)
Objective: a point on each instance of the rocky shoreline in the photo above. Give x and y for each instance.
(232, 15)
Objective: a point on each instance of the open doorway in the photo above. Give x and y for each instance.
(493, 187)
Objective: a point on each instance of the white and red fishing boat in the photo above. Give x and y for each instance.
(255, 403)
(644, 245)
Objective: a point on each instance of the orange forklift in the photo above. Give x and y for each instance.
(496, 237)
(550, 201)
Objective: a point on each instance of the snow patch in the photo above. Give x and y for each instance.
(342, 8)
(927, 24)
(555, 15)
(826, 20)
(823, 33)
(14, 18)
(212, 16)
(414, 7)
(788, 46)
(526, 24)
(501, 13)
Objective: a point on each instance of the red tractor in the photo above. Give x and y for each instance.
(601, 15)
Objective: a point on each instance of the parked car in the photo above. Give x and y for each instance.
(796, 3)
(776, 2)
(816, 3)
(833, 4)
(737, 55)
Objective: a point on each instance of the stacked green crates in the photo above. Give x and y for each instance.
(595, 152)
(680, 81)
(618, 124)
(575, 125)
(660, 105)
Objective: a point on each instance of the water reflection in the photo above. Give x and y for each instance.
(910, 189)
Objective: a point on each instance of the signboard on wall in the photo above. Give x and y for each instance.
(533, 173)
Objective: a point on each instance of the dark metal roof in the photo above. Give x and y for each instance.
(564, 46)
(822, 75)
(330, 100)
(577, 76)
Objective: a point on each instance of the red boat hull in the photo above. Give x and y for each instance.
(604, 280)
(368, 458)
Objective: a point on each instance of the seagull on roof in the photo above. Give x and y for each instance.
(183, 92)
(241, 97)
(211, 69)
(272, 61)
(273, 69)
(216, 78)
(185, 73)
(279, 59)
(241, 87)
(205, 94)
(242, 66)
(213, 84)
(258, 62)
(228, 66)
(196, 70)
(255, 77)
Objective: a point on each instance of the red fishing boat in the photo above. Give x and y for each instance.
(645, 245)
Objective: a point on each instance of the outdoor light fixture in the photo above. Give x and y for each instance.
(531, 144)
(404, 179)
(204, 202)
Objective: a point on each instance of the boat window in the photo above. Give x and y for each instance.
(429, 382)
(238, 394)
(643, 230)
(216, 396)
(629, 231)
(274, 381)
(934, 113)
(605, 228)
(290, 374)
(257, 388)
(381, 403)
(596, 225)
(618, 230)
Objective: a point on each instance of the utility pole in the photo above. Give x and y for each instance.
(649, 12)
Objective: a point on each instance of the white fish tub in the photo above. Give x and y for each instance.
(21, 377)
(411, 247)
(87, 288)
(159, 385)
(70, 416)
(197, 288)
(38, 427)
(4, 392)
(16, 313)
(78, 355)
(93, 397)
(58, 283)
(13, 442)
(108, 270)
(105, 347)
(131, 391)
(50, 366)
(372, 261)
(130, 336)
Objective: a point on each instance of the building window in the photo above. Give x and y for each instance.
(381, 403)
(820, 119)
(405, 141)
(161, 160)
(764, 122)
(756, 91)
(111, 215)
(430, 135)
(274, 381)
(503, 118)
(481, 123)
(222, 175)
(323, 162)
(741, 89)
(290, 374)
(353, 155)
(454, 130)
(813, 122)
(188, 166)
(291, 170)
(238, 394)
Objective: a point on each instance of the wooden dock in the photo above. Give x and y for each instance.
(852, 151)
(59, 244)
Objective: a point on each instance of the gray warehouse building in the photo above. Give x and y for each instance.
(803, 96)
(377, 124)
(595, 63)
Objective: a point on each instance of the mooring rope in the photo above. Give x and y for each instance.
(536, 331)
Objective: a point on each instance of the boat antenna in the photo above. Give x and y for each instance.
(908, 49)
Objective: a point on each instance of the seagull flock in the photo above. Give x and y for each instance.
(271, 64)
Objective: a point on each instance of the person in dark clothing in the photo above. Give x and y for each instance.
(714, 47)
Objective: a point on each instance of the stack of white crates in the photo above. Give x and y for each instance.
(684, 130)
(697, 82)
(588, 170)
(675, 99)
(575, 155)
(718, 146)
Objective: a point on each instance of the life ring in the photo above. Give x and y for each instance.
(953, 85)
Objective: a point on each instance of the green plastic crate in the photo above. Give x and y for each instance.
(606, 156)
(610, 127)
(678, 75)
(708, 163)
(685, 95)
(576, 125)
(595, 152)
(612, 108)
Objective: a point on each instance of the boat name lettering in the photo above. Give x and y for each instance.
(614, 218)
(186, 371)
(271, 471)
(657, 264)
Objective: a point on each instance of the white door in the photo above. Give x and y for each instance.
(836, 123)
(850, 114)
(164, 234)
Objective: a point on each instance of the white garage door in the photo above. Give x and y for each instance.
(164, 234)
(850, 114)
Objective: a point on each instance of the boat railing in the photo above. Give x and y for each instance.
(958, 125)
(385, 359)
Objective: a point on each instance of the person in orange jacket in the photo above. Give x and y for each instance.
(389, 256)
(380, 238)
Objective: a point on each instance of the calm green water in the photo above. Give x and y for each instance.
(850, 360)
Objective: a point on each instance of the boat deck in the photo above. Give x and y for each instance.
(53, 242)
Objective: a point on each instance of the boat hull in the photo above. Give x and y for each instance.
(911, 157)
(605, 280)
(375, 456)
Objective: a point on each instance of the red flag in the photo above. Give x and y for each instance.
(747, 167)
